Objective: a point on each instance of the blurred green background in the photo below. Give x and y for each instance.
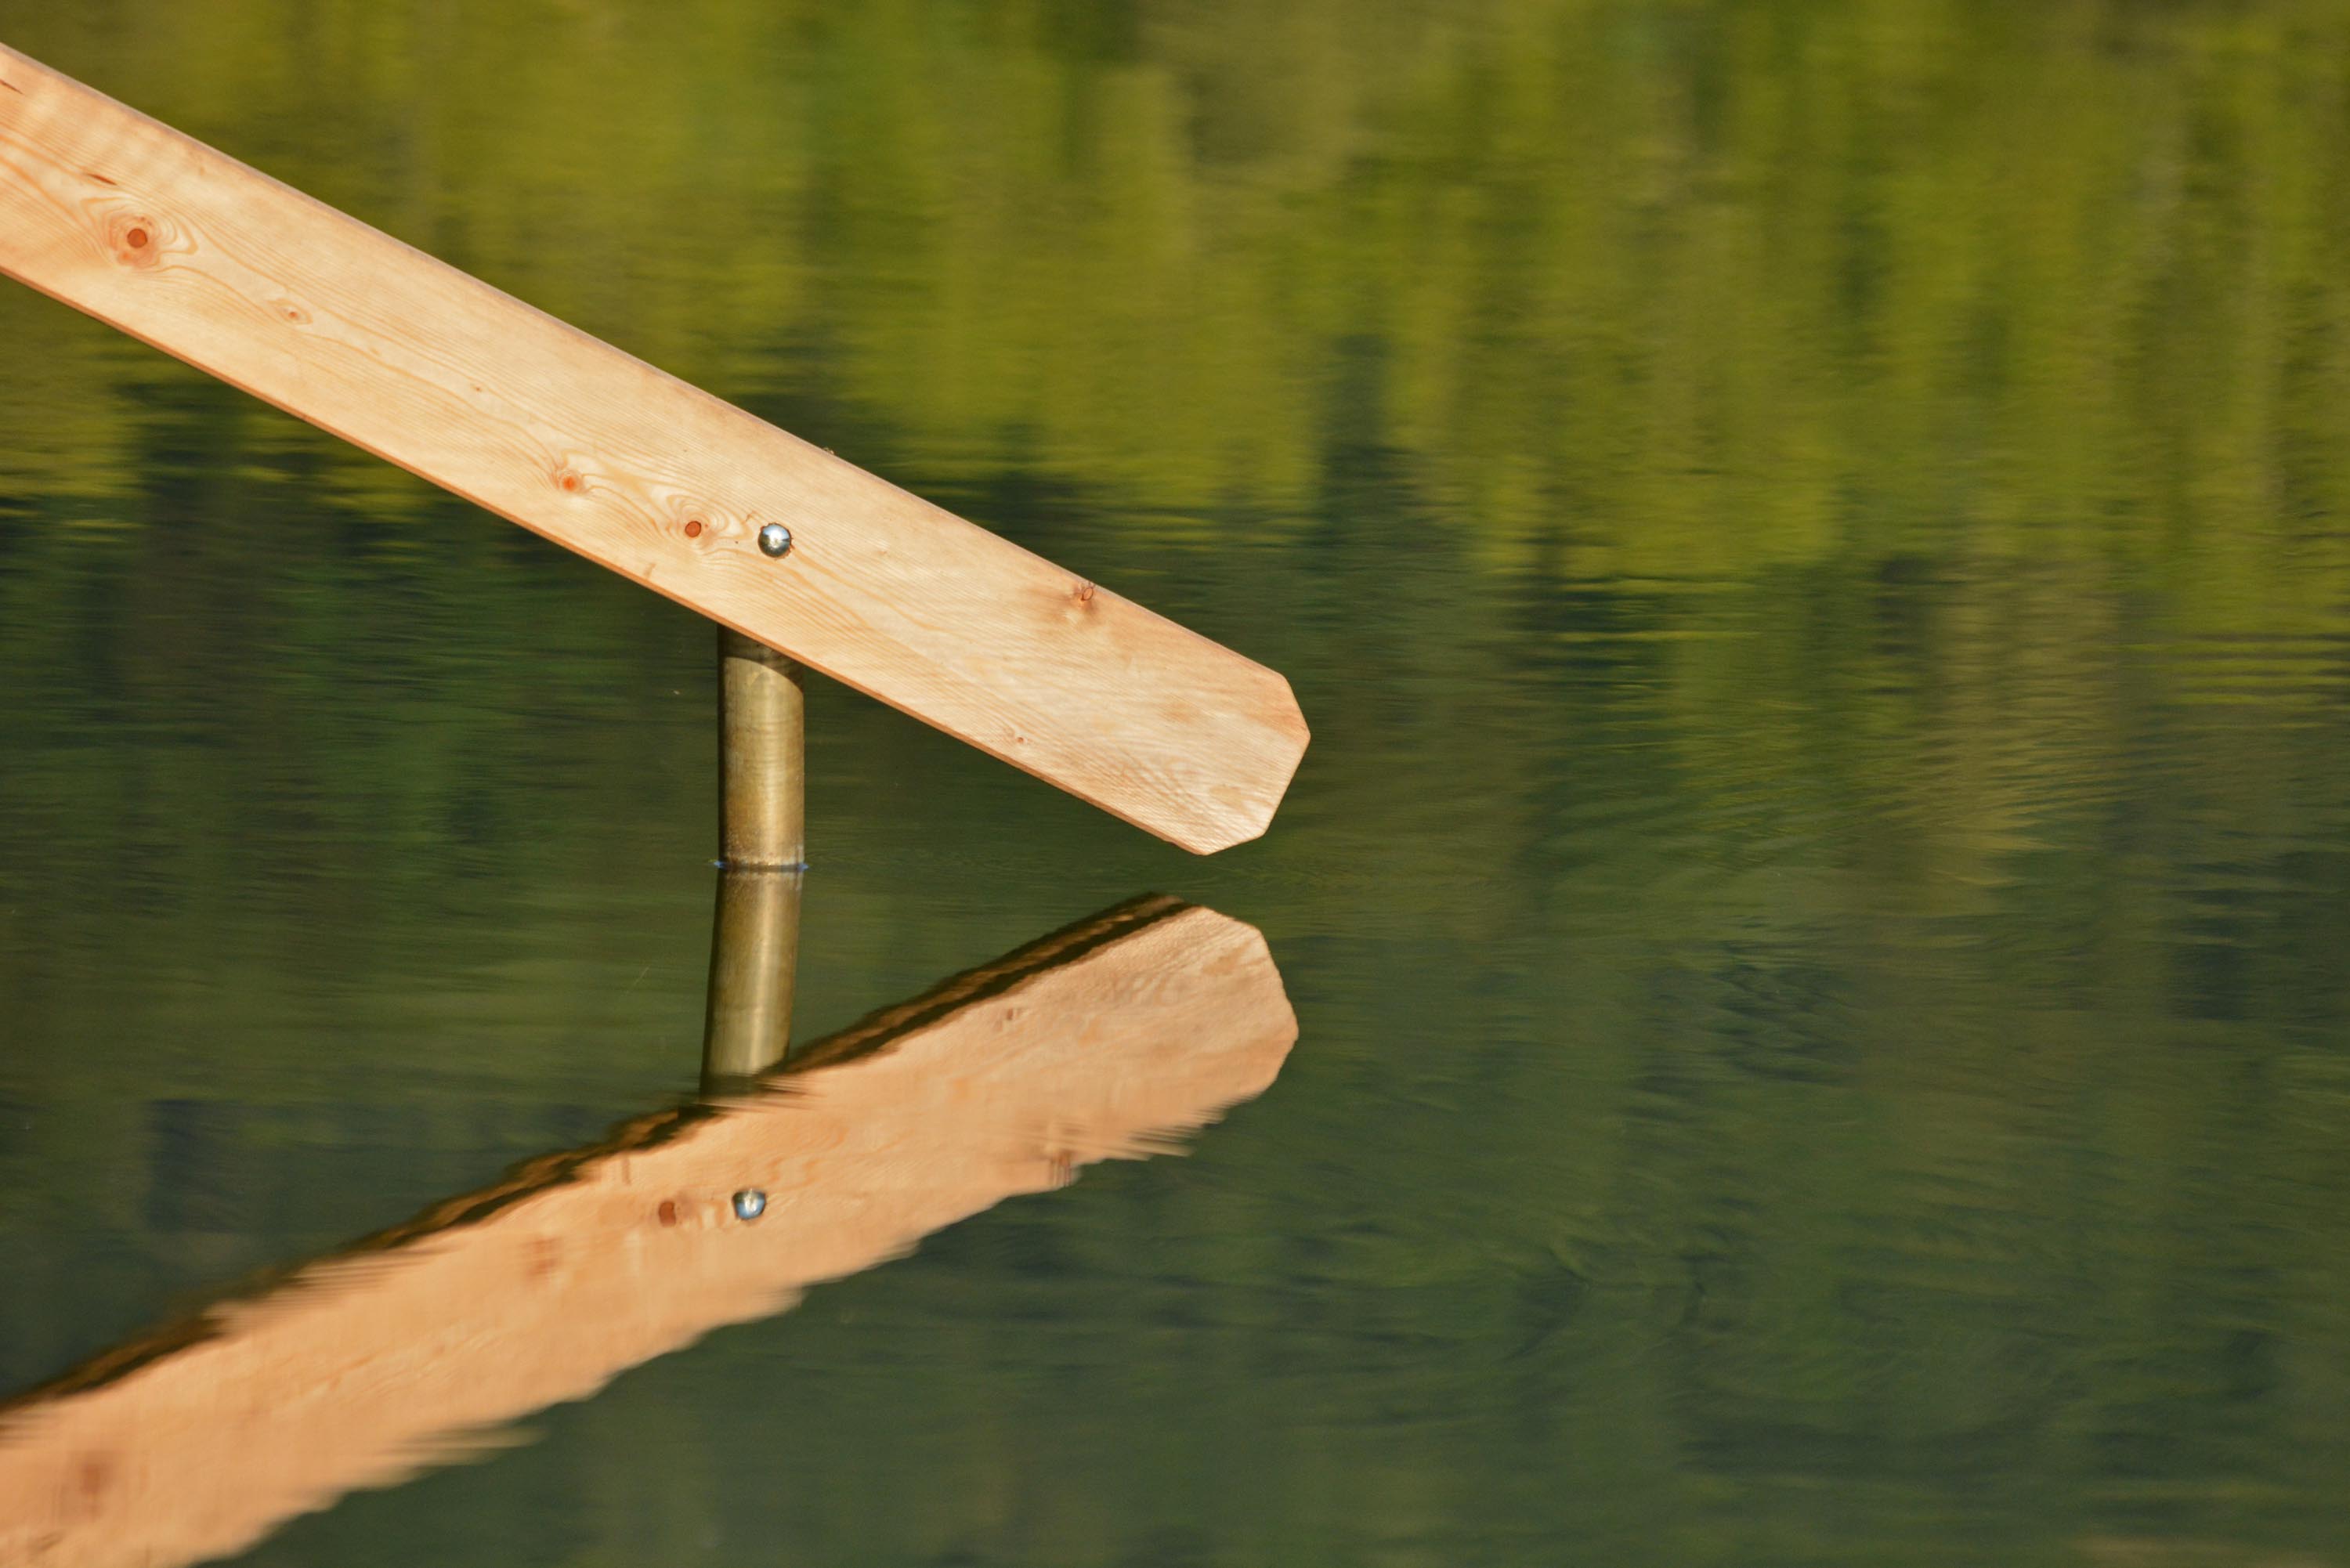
(1815, 540)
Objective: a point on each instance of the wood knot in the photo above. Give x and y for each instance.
(693, 527)
(137, 241)
(93, 1474)
(568, 481)
(1083, 593)
(293, 314)
(668, 1211)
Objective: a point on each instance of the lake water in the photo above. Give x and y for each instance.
(1815, 542)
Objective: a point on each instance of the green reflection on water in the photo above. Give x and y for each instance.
(1812, 537)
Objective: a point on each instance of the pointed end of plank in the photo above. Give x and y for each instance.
(1243, 810)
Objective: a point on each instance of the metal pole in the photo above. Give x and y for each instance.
(762, 761)
(754, 937)
(754, 945)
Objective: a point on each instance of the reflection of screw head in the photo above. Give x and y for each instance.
(750, 1203)
(775, 539)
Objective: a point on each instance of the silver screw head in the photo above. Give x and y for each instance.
(750, 1203)
(775, 539)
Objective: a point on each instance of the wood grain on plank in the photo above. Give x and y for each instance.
(194, 1442)
(188, 250)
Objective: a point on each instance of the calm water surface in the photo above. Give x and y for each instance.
(1814, 539)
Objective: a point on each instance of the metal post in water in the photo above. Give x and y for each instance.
(755, 938)
(762, 756)
(755, 944)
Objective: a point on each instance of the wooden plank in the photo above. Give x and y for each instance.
(200, 256)
(196, 1441)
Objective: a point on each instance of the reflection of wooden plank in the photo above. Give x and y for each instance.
(1104, 1043)
(328, 318)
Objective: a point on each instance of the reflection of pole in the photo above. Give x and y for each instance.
(1111, 1039)
(755, 941)
(761, 736)
(755, 946)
